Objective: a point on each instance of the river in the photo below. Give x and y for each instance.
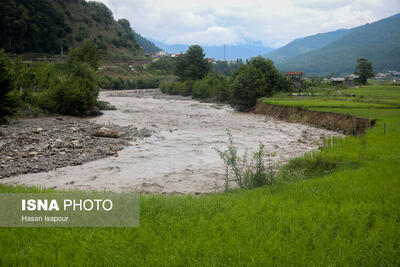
(180, 156)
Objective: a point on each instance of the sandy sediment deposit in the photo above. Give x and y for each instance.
(178, 157)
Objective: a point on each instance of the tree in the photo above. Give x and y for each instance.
(77, 93)
(86, 52)
(7, 103)
(258, 78)
(192, 65)
(364, 70)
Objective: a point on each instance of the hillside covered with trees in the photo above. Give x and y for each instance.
(304, 45)
(52, 27)
(148, 46)
(379, 42)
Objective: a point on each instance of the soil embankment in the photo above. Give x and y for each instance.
(328, 120)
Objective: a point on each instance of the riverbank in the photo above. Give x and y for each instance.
(179, 157)
(44, 144)
(346, 124)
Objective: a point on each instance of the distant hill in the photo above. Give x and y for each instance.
(148, 46)
(379, 42)
(304, 45)
(43, 25)
(233, 52)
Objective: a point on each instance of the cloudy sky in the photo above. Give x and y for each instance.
(218, 22)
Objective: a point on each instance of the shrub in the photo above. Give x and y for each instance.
(104, 105)
(245, 174)
(77, 95)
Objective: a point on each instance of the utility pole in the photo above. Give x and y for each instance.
(62, 48)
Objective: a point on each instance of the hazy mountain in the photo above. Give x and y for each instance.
(304, 45)
(232, 52)
(379, 42)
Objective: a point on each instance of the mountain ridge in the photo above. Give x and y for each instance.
(305, 44)
(378, 41)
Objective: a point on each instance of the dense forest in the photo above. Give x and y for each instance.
(31, 26)
(54, 27)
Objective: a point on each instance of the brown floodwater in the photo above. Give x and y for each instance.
(180, 156)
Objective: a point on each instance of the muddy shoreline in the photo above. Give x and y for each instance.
(179, 156)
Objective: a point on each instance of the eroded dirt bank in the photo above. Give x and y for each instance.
(328, 120)
(179, 156)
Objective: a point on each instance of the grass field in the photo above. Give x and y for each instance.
(336, 207)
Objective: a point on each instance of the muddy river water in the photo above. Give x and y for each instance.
(179, 157)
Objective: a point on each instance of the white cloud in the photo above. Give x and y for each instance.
(211, 22)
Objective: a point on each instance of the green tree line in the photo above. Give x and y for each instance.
(257, 78)
(70, 88)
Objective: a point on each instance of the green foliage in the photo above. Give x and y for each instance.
(27, 26)
(107, 82)
(192, 65)
(258, 78)
(87, 52)
(77, 95)
(165, 65)
(102, 12)
(7, 103)
(223, 68)
(364, 70)
(212, 86)
(104, 105)
(129, 36)
(245, 174)
(44, 26)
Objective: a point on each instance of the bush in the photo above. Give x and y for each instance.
(77, 95)
(107, 82)
(245, 174)
(104, 105)
(212, 86)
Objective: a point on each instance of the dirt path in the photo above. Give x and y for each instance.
(179, 156)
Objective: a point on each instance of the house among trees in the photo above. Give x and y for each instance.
(337, 81)
(350, 80)
(295, 77)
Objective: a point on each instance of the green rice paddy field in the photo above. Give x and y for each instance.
(336, 207)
